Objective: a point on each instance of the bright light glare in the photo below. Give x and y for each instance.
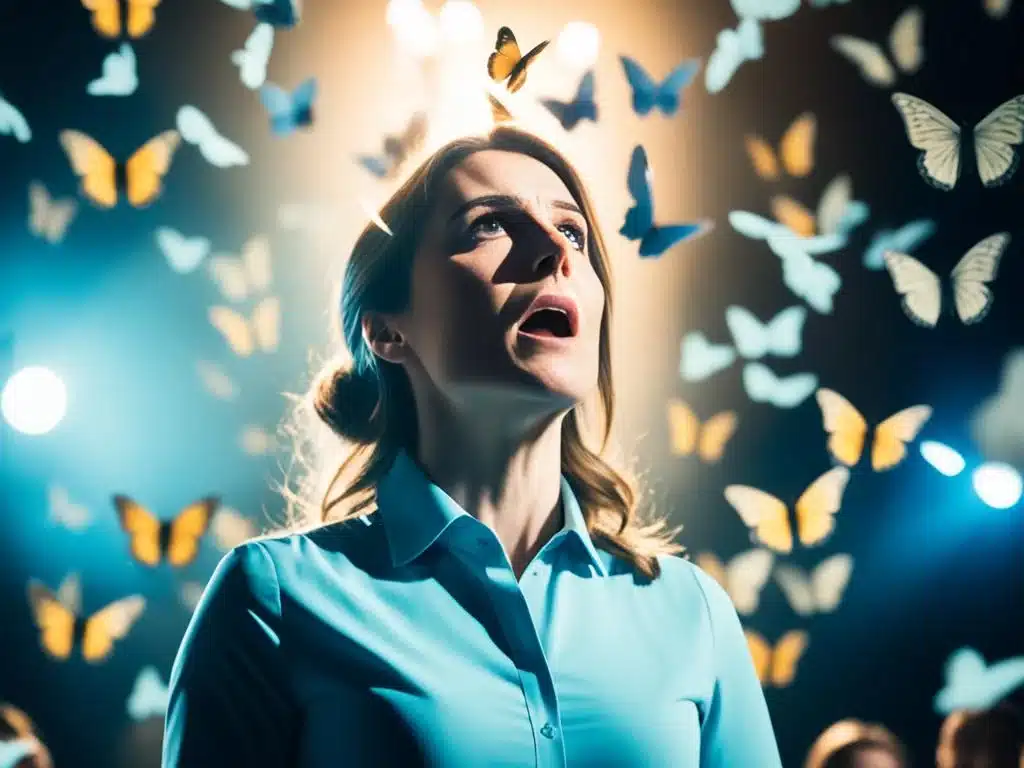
(998, 485)
(34, 400)
(578, 44)
(414, 27)
(946, 460)
(461, 21)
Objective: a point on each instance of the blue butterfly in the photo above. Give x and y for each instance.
(289, 112)
(13, 752)
(639, 224)
(973, 684)
(903, 240)
(647, 94)
(582, 107)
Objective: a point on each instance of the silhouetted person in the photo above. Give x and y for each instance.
(988, 738)
(854, 744)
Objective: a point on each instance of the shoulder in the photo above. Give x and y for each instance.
(689, 584)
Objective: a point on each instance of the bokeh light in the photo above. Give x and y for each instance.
(415, 29)
(998, 485)
(34, 400)
(946, 460)
(578, 44)
(461, 22)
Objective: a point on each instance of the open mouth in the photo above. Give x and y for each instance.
(547, 322)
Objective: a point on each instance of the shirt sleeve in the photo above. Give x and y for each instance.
(737, 729)
(229, 696)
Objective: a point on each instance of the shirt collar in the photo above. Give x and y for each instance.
(415, 512)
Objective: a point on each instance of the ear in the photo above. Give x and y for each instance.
(381, 334)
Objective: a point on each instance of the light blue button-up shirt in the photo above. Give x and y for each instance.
(405, 639)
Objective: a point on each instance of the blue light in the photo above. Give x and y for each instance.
(945, 459)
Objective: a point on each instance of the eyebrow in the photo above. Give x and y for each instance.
(508, 201)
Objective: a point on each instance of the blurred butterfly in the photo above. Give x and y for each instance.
(230, 529)
(699, 358)
(191, 593)
(65, 512)
(196, 129)
(106, 16)
(119, 76)
(848, 431)
(812, 281)
(639, 223)
(648, 94)
(688, 435)
(997, 9)
(763, 386)
(279, 13)
(765, 10)
(742, 578)
(781, 238)
(253, 57)
(289, 111)
(582, 106)
(14, 751)
(239, 277)
(732, 48)
(972, 684)
(244, 335)
(149, 696)
(943, 458)
(903, 240)
(256, 441)
(13, 123)
(940, 140)
(216, 381)
(139, 178)
(776, 666)
(904, 42)
(49, 218)
(63, 628)
(837, 211)
(922, 291)
(796, 150)
(507, 63)
(819, 591)
(781, 336)
(397, 149)
(183, 254)
(176, 541)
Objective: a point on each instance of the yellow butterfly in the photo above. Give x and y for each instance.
(176, 541)
(743, 577)
(62, 627)
(507, 63)
(140, 178)
(848, 431)
(768, 518)
(689, 435)
(106, 16)
(776, 666)
(829, 218)
(796, 150)
(239, 277)
(244, 335)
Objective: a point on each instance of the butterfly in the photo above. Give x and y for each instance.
(776, 665)
(837, 211)
(65, 512)
(176, 541)
(765, 10)
(781, 239)
(397, 149)
(848, 430)
(216, 381)
(106, 16)
(244, 335)
(732, 48)
(278, 13)
(922, 291)
(256, 441)
(289, 111)
(196, 128)
(940, 140)
(253, 57)
(149, 696)
(239, 277)
(763, 386)
(63, 628)
(183, 254)
(639, 223)
(648, 94)
(582, 106)
(904, 43)
(904, 240)
(997, 425)
(48, 218)
(754, 339)
(13, 123)
(507, 64)
(230, 529)
(699, 358)
(139, 178)
(768, 517)
(819, 591)
(972, 684)
(688, 435)
(119, 75)
(796, 150)
(742, 578)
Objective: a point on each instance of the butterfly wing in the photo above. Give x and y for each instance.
(106, 16)
(936, 135)
(517, 78)
(147, 167)
(797, 146)
(640, 217)
(235, 330)
(763, 386)
(760, 654)
(762, 157)
(868, 57)
(845, 426)
(659, 239)
(745, 577)
(55, 620)
(143, 529)
(505, 57)
(788, 652)
(141, 16)
(644, 88)
(684, 427)
(231, 277)
(829, 581)
(715, 435)
(266, 323)
(794, 216)
(905, 40)
(765, 515)
(972, 274)
(994, 140)
(187, 529)
(893, 434)
(257, 263)
(109, 624)
(796, 586)
(817, 507)
(667, 95)
(93, 165)
(699, 358)
(918, 285)
(905, 239)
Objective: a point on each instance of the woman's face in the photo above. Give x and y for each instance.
(504, 232)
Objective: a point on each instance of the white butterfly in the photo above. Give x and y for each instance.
(780, 336)
(971, 684)
(49, 218)
(239, 277)
(765, 10)
(763, 386)
(904, 43)
(119, 75)
(819, 591)
(12, 122)
(197, 129)
(922, 291)
(780, 236)
(149, 696)
(732, 48)
(216, 381)
(940, 141)
(230, 528)
(191, 592)
(256, 441)
(812, 281)
(184, 254)
(699, 358)
(252, 59)
(904, 240)
(65, 512)
(743, 577)
(244, 335)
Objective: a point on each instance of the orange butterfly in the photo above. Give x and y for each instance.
(796, 150)
(140, 179)
(688, 435)
(776, 665)
(106, 16)
(848, 431)
(152, 540)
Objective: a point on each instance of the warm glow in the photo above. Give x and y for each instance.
(461, 21)
(578, 44)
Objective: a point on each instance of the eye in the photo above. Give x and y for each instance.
(485, 226)
(575, 235)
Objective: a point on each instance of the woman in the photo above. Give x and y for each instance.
(854, 744)
(988, 738)
(502, 604)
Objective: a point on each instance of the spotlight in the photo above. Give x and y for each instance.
(34, 400)
(998, 485)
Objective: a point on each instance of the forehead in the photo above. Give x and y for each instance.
(499, 172)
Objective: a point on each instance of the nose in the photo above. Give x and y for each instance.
(553, 253)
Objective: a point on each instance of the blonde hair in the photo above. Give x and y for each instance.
(369, 402)
(838, 745)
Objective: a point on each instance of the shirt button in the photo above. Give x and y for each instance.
(548, 732)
